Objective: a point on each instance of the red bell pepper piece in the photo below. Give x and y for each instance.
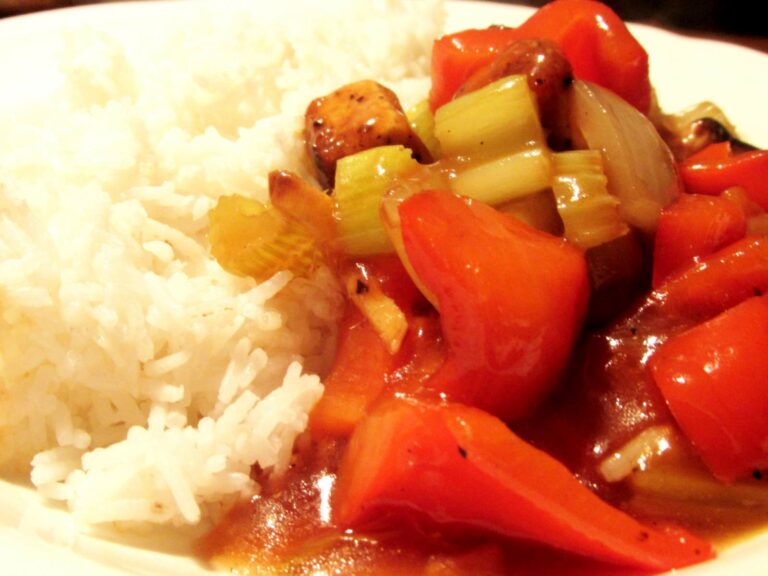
(455, 57)
(357, 378)
(597, 43)
(458, 466)
(363, 369)
(714, 378)
(693, 227)
(718, 282)
(716, 168)
(512, 300)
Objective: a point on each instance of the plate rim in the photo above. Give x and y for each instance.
(12, 495)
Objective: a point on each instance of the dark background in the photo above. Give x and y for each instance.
(737, 20)
(731, 16)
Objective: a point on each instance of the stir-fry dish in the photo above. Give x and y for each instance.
(553, 358)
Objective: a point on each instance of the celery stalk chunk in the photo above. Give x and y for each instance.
(495, 120)
(496, 140)
(422, 122)
(589, 212)
(361, 181)
(506, 178)
(249, 238)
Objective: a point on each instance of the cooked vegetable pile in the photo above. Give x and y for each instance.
(555, 333)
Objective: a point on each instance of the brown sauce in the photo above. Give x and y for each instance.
(606, 401)
(287, 530)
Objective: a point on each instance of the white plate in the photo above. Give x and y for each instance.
(37, 539)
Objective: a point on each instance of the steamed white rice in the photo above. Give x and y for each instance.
(138, 380)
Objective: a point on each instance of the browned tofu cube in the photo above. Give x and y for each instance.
(354, 118)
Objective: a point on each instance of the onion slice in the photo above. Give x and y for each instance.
(641, 170)
(390, 218)
(387, 319)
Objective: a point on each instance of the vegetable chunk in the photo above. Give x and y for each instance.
(460, 466)
(354, 118)
(595, 41)
(715, 380)
(694, 227)
(719, 167)
(547, 71)
(512, 300)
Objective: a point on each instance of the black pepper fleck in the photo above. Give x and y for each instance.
(462, 452)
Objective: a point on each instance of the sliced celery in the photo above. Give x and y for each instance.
(495, 139)
(505, 178)
(252, 239)
(422, 122)
(490, 122)
(361, 181)
(589, 212)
